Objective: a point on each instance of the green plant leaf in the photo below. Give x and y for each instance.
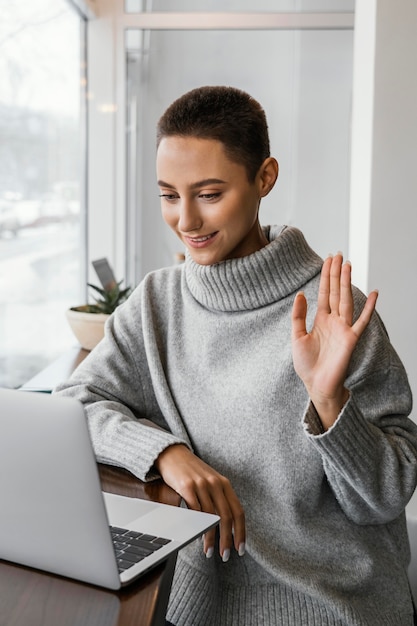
(107, 300)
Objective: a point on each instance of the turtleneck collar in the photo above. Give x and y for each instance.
(280, 268)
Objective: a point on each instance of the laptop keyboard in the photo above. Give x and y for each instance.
(132, 547)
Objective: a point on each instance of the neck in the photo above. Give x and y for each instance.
(263, 240)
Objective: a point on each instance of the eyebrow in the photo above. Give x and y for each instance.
(197, 185)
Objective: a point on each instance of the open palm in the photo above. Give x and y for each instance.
(321, 357)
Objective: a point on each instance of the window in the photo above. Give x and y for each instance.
(42, 209)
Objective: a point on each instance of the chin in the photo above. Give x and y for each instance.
(202, 259)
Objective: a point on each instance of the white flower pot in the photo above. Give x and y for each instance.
(87, 327)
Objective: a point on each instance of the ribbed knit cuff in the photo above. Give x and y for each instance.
(134, 446)
(351, 436)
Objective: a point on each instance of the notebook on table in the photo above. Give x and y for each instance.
(54, 515)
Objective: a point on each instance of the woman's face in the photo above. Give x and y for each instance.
(208, 200)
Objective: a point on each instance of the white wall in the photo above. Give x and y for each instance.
(383, 216)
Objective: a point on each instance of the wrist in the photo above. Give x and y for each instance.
(329, 409)
(168, 452)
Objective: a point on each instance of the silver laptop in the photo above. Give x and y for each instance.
(54, 516)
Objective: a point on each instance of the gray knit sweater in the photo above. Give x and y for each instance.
(204, 354)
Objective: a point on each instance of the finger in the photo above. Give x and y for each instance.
(194, 502)
(366, 314)
(240, 533)
(209, 542)
(201, 499)
(346, 298)
(189, 494)
(223, 509)
(209, 538)
(324, 287)
(232, 519)
(215, 503)
(334, 291)
(239, 523)
(298, 318)
(210, 498)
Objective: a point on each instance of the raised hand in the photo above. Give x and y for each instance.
(204, 489)
(321, 357)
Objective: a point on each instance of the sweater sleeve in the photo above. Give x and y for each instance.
(370, 454)
(114, 383)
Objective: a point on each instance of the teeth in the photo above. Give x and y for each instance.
(199, 239)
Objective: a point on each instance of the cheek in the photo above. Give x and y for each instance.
(169, 217)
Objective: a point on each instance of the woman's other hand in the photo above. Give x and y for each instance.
(204, 489)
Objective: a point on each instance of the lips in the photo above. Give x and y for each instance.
(199, 239)
(201, 242)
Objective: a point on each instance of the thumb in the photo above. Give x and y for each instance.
(298, 318)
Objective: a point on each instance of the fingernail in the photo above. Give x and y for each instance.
(226, 555)
(242, 549)
(210, 552)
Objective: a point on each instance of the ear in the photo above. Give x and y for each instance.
(267, 176)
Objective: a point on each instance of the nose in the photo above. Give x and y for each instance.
(189, 216)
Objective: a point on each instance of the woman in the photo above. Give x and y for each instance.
(292, 425)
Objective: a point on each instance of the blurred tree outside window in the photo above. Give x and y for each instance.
(42, 215)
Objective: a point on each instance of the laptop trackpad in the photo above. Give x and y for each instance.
(122, 510)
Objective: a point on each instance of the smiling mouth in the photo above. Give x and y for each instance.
(198, 239)
(199, 242)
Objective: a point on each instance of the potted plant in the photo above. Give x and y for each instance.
(87, 321)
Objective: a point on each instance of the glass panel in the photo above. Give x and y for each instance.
(238, 6)
(302, 78)
(42, 267)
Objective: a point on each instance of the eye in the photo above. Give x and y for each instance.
(169, 197)
(210, 196)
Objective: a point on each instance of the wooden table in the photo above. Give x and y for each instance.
(32, 598)
(29, 597)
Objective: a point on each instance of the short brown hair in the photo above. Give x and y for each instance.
(226, 114)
